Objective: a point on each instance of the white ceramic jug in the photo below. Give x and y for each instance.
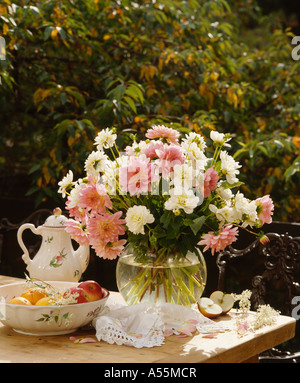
(56, 260)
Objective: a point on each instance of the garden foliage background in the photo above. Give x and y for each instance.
(75, 67)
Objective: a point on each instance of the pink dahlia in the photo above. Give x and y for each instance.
(75, 211)
(94, 197)
(211, 179)
(217, 241)
(105, 228)
(110, 250)
(265, 209)
(78, 231)
(168, 157)
(150, 150)
(163, 132)
(136, 177)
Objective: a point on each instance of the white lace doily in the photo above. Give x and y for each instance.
(145, 325)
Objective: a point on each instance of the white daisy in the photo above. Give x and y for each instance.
(66, 183)
(195, 138)
(95, 163)
(220, 138)
(229, 167)
(105, 139)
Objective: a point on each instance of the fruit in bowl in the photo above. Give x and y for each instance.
(62, 307)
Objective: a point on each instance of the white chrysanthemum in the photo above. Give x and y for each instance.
(105, 139)
(229, 167)
(195, 138)
(182, 199)
(66, 183)
(220, 138)
(194, 153)
(95, 163)
(225, 194)
(136, 148)
(226, 214)
(137, 217)
(73, 198)
(246, 210)
(183, 176)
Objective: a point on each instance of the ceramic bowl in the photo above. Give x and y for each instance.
(47, 320)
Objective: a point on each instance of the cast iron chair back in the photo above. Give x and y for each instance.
(280, 259)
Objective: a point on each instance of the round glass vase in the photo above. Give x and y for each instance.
(154, 278)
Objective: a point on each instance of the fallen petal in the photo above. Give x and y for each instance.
(168, 332)
(210, 336)
(87, 340)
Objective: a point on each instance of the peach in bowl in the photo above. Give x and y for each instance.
(52, 307)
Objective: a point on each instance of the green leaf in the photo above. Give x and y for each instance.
(198, 223)
(165, 219)
(130, 103)
(227, 185)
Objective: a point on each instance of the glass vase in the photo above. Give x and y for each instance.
(157, 279)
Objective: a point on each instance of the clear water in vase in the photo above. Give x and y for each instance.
(181, 281)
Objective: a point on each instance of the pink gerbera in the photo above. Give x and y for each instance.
(110, 250)
(78, 231)
(105, 228)
(211, 179)
(265, 209)
(94, 197)
(161, 131)
(217, 241)
(168, 157)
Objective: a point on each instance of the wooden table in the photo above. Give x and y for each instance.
(227, 347)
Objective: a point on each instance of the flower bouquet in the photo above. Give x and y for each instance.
(157, 205)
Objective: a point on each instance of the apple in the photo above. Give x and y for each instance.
(92, 289)
(79, 294)
(226, 301)
(209, 308)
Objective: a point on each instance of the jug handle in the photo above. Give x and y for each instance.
(25, 256)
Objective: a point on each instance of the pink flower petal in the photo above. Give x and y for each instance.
(210, 336)
(168, 332)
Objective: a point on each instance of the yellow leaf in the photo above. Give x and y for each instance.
(233, 98)
(54, 33)
(170, 57)
(150, 92)
(5, 28)
(46, 174)
(214, 76)
(40, 95)
(268, 189)
(106, 37)
(39, 182)
(262, 124)
(3, 10)
(89, 51)
(160, 64)
(202, 89)
(70, 141)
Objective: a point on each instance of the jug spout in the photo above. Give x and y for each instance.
(83, 255)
